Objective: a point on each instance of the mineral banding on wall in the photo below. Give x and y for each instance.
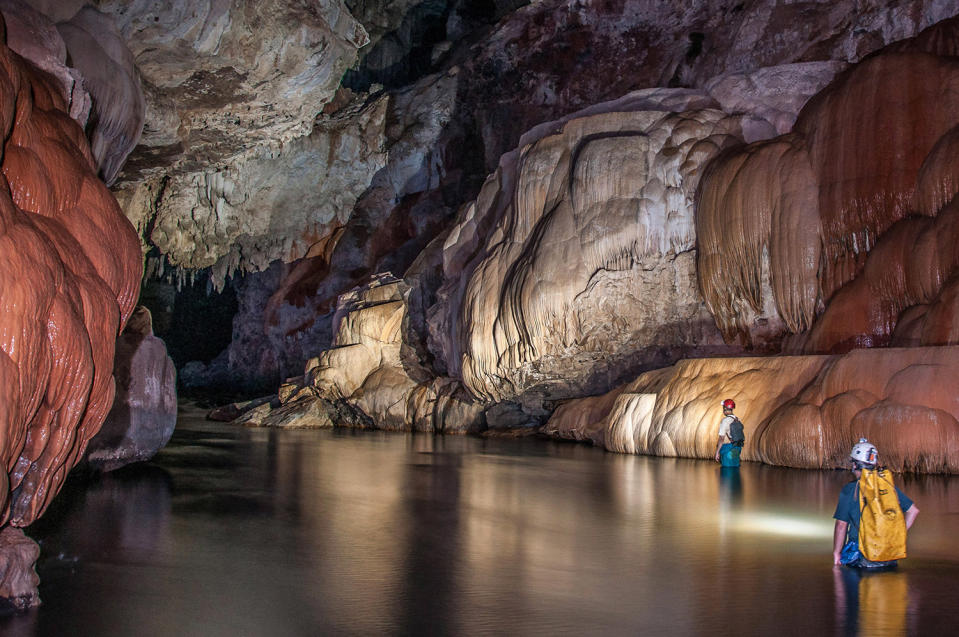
(827, 219)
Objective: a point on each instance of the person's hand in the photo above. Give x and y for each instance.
(836, 558)
(717, 456)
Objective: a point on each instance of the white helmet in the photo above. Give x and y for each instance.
(864, 453)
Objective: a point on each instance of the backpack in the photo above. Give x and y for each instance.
(882, 527)
(736, 434)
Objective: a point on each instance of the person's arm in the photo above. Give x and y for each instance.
(911, 514)
(838, 539)
(719, 443)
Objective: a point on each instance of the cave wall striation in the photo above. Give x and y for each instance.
(835, 229)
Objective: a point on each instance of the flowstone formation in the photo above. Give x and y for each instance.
(71, 269)
(370, 377)
(828, 216)
(576, 264)
(798, 411)
(842, 232)
(587, 251)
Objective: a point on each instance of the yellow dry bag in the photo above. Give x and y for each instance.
(882, 527)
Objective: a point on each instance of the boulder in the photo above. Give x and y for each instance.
(145, 407)
(18, 576)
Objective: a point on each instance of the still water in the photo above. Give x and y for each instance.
(234, 531)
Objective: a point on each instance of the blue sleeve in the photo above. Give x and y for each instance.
(904, 502)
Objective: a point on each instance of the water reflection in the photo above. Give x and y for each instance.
(263, 532)
(433, 547)
(730, 486)
(873, 603)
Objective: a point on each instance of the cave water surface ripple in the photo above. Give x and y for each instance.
(235, 531)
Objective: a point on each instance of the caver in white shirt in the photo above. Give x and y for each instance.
(724, 425)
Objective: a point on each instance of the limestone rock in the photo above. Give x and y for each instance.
(108, 74)
(369, 366)
(70, 278)
(273, 204)
(775, 94)
(33, 34)
(798, 411)
(241, 74)
(786, 226)
(232, 411)
(369, 377)
(297, 414)
(559, 56)
(144, 410)
(18, 575)
(583, 248)
(100, 85)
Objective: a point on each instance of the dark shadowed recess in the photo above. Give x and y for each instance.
(195, 321)
(418, 46)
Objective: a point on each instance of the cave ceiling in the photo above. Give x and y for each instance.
(234, 91)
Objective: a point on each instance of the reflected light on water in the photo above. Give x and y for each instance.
(780, 524)
(234, 531)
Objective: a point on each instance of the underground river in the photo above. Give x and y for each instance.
(234, 531)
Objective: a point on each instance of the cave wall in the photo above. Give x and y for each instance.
(651, 192)
(489, 81)
(846, 221)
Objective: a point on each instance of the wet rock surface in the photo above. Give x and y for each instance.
(70, 276)
(144, 410)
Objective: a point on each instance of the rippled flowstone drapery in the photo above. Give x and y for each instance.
(71, 269)
(798, 411)
(835, 229)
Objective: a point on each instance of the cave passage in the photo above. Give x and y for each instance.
(269, 532)
(195, 322)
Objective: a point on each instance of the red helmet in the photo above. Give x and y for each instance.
(729, 403)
